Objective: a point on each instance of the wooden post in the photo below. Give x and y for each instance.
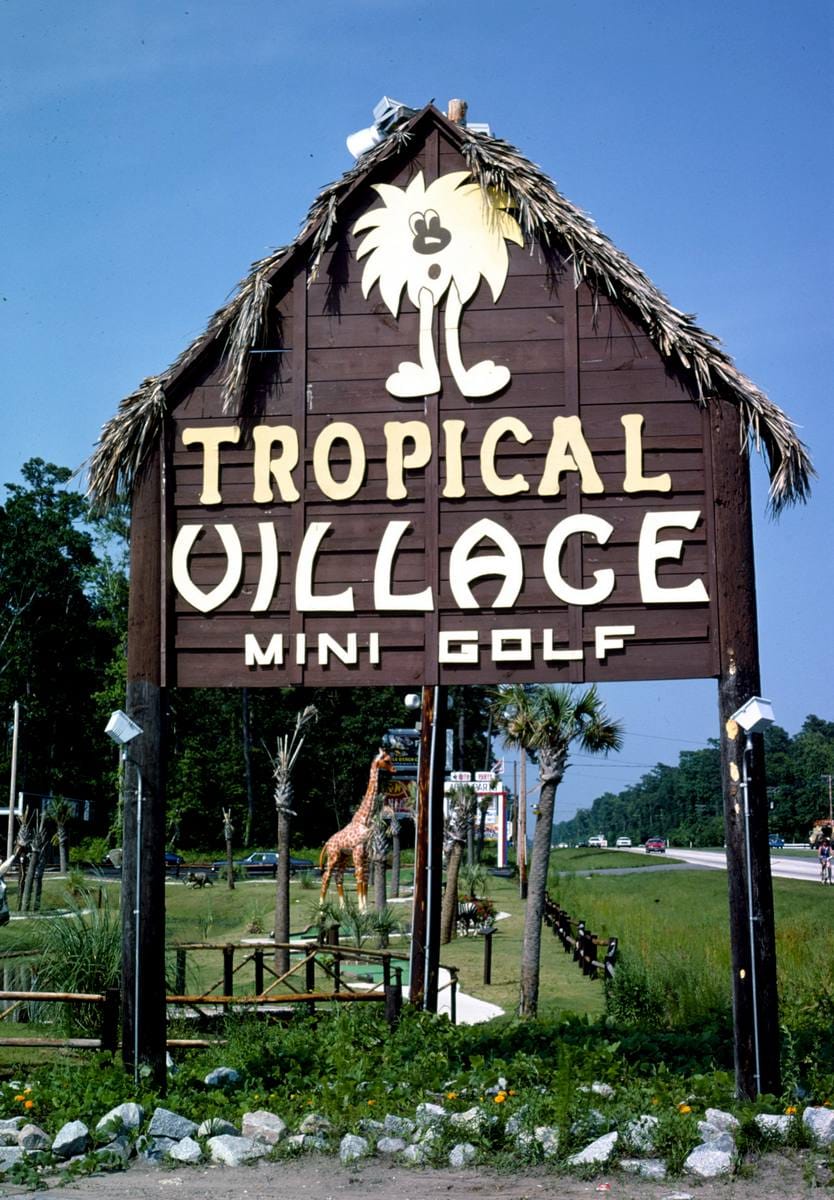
(110, 1020)
(435, 847)
(521, 825)
(421, 849)
(228, 969)
(738, 682)
(259, 972)
(143, 890)
(310, 979)
(179, 977)
(488, 936)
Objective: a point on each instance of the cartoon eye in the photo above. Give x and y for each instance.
(417, 224)
(430, 237)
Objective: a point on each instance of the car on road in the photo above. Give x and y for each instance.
(599, 840)
(263, 862)
(776, 841)
(655, 845)
(173, 861)
(623, 842)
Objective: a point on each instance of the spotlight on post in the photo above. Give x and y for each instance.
(121, 728)
(755, 715)
(412, 701)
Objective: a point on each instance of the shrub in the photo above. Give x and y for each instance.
(81, 952)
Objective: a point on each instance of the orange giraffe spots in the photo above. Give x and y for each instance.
(353, 839)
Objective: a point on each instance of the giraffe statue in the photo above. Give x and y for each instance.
(353, 839)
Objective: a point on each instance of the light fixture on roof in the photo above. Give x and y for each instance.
(387, 114)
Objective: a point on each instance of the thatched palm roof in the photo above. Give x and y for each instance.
(544, 214)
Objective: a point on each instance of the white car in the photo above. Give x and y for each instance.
(623, 841)
(598, 841)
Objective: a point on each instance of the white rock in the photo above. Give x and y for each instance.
(547, 1137)
(640, 1132)
(263, 1126)
(9, 1155)
(167, 1124)
(186, 1151)
(399, 1126)
(123, 1116)
(646, 1168)
(603, 1090)
(708, 1162)
(415, 1154)
(216, 1127)
(390, 1145)
(352, 1146)
(430, 1114)
(11, 1123)
(222, 1076)
(599, 1151)
(33, 1138)
(462, 1154)
(723, 1121)
(473, 1119)
(232, 1151)
(72, 1138)
(776, 1126)
(820, 1124)
(315, 1123)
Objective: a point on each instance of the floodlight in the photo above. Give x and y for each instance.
(478, 127)
(387, 113)
(755, 715)
(363, 140)
(121, 728)
(412, 701)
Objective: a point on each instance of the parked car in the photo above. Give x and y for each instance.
(263, 862)
(776, 841)
(173, 861)
(599, 840)
(656, 845)
(623, 841)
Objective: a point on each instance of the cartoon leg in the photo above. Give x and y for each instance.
(485, 378)
(423, 378)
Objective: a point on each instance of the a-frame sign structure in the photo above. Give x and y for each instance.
(450, 435)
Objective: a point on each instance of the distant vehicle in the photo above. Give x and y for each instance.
(656, 845)
(599, 840)
(776, 841)
(263, 862)
(623, 841)
(173, 861)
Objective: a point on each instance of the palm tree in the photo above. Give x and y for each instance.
(289, 748)
(463, 804)
(549, 720)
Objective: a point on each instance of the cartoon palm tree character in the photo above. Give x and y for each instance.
(433, 242)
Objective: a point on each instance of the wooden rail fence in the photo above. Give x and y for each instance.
(578, 941)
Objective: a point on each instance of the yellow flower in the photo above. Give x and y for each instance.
(19, 1097)
(451, 1095)
(500, 1097)
(790, 1111)
(655, 1100)
(372, 1101)
(29, 1104)
(512, 1092)
(684, 1108)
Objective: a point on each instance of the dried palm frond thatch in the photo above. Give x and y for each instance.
(544, 215)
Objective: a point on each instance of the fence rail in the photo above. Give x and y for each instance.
(578, 941)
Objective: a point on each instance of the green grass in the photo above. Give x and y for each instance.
(587, 858)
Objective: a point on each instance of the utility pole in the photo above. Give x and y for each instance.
(13, 781)
(830, 810)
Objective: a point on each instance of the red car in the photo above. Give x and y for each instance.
(656, 846)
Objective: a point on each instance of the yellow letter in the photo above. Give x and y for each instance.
(332, 488)
(281, 467)
(635, 480)
(211, 439)
(453, 432)
(492, 480)
(569, 452)
(396, 462)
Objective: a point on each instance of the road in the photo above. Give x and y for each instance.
(781, 866)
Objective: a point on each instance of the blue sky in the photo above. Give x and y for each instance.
(151, 151)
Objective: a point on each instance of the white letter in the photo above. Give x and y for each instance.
(492, 480)
(650, 551)
(269, 567)
(463, 569)
(610, 637)
(635, 480)
(504, 651)
(211, 440)
(328, 645)
(305, 601)
(384, 599)
(453, 432)
(332, 488)
(373, 649)
(551, 654)
(396, 462)
(466, 641)
(581, 523)
(273, 656)
(181, 576)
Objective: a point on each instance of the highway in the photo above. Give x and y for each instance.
(781, 866)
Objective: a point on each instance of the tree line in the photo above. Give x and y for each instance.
(684, 803)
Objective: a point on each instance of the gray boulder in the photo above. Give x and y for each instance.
(773, 1125)
(416, 1155)
(9, 1155)
(11, 1124)
(473, 1120)
(723, 1121)
(646, 1168)
(32, 1138)
(115, 1154)
(640, 1133)
(399, 1126)
(186, 1151)
(263, 1126)
(709, 1161)
(167, 1124)
(462, 1154)
(72, 1138)
(154, 1150)
(352, 1147)
(390, 1145)
(820, 1124)
(599, 1151)
(127, 1116)
(314, 1123)
(430, 1114)
(222, 1077)
(233, 1151)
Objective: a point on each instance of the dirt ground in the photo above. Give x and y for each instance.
(775, 1177)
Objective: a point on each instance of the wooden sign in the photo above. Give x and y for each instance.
(455, 466)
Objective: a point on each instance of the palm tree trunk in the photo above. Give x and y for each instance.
(63, 841)
(395, 855)
(528, 1002)
(247, 766)
(282, 893)
(449, 910)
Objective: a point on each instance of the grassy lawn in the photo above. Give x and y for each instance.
(588, 858)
